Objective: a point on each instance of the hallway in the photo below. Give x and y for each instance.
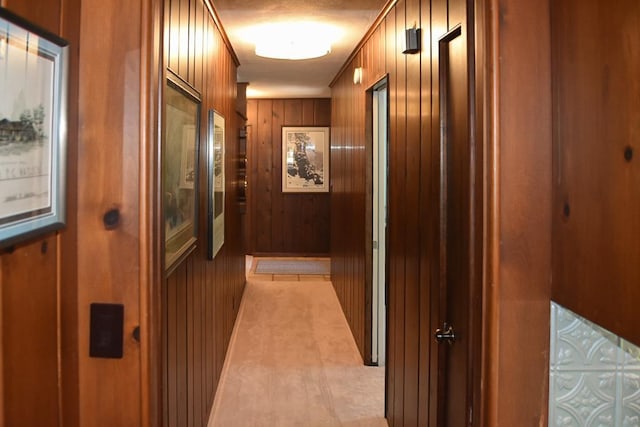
(292, 361)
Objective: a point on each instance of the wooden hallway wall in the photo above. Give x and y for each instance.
(411, 199)
(515, 138)
(283, 223)
(38, 286)
(596, 130)
(47, 377)
(201, 298)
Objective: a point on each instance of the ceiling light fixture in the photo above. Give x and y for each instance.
(293, 49)
(293, 40)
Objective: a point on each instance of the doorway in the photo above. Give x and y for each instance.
(378, 118)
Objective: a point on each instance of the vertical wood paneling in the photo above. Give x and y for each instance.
(322, 112)
(439, 27)
(308, 111)
(182, 285)
(219, 290)
(356, 199)
(199, 327)
(205, 293)
(252, 170)
(173, 30)
(199, 44)
(38, 280)
(272, 214)
(182, 35)
(392, 308)
(171, 351)
(29, 316)
(413, 203)
(397, 204)
(280, 237)
(349, 189)
(190, 373)
(412, 223)
(430, 170)
(111, 255)
(338, 258)
(596, 133)
(281, 224)
(192, 27)
(210, 334)
(262, 182)
(209, 301)
(109, 391)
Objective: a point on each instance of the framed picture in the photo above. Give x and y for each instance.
(215, 149)
(179, 169)
(305, 159)
(33, 122)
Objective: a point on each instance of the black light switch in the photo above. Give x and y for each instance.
(106, 330)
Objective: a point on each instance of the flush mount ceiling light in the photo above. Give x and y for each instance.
(293, 40)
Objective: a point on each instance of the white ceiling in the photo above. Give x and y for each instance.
(276, 78)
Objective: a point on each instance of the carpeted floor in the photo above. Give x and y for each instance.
(293, 362)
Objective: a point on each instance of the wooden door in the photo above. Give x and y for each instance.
(458, 219)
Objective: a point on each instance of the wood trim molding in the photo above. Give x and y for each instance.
(372, 29)
(516, 285)
(151, 82)
(489, 405)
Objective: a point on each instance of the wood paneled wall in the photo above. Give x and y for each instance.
(348, 181)
(515, 131)
(110, 261)
(279, 223)
(38, 296)
(201, 297)
(46, 376)
(596, 123)
(412, 202)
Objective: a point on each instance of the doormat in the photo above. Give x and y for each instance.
(293, 266)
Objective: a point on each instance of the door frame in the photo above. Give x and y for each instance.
(369, 206)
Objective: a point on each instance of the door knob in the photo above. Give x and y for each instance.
(445, 334)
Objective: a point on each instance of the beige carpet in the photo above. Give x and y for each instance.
(293, 362)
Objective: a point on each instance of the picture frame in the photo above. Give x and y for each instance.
(305, 159)
(179, 169)
(216, 168)
(33, 122)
